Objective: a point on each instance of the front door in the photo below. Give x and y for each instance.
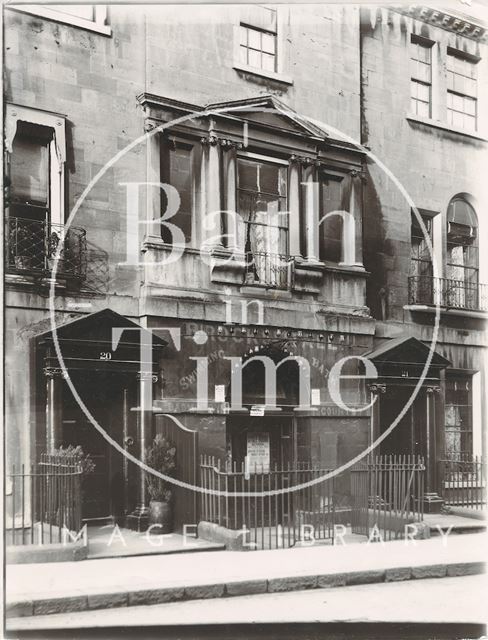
(102, 394)
(409, 436)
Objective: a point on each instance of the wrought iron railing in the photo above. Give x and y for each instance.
(257, 501)
(269, 269)
(43, 501)
(462, 481)
(456, 294)
(387, 495)
(32, 246)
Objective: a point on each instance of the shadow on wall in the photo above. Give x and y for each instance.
(374, 241)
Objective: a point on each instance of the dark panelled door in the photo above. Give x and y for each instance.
(186, 443)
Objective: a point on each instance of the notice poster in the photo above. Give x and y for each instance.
(258, 452)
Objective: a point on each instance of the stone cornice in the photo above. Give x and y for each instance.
(450, 21)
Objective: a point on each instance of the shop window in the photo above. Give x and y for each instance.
(176, 170)
(421, 77)
(462, 91)
(262, 189)
(458, 417)
(462, 254)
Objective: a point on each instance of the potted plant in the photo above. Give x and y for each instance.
(21, 240)
(53, 243)
(160, 456)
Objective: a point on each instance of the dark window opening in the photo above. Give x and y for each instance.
(330, 230)
(176, 170)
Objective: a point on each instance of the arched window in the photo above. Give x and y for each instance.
(462, 253)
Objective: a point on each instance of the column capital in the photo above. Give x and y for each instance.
(226, 143)
(356, 173)
(54, 372)
(304, 161)
(150, 125)
(433, 389)
(147, 376)
(377, 387)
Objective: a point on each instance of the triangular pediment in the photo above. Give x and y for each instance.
(406, 351)
(98, 328)
(268, 111)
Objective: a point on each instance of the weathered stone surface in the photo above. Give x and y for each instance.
(466, 568)
(364, 577)
(155, 596)
(19, 609)
(108, 600)
(332, 580)
(295, 583)
(397, 574)
(60, 605)
(204, 591)
(246, 588)
(431, 571)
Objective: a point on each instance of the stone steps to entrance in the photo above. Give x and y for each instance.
(121, 582)
(455, 523)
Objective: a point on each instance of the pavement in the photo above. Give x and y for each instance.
(41, 589)
(452, 600)
(110, 542)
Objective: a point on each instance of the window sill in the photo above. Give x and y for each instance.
(271, 75)
(57, 16)
(440, 125)
(431, 308)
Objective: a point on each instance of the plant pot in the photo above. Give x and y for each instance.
(161, 515)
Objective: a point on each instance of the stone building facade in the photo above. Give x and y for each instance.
(256, 110)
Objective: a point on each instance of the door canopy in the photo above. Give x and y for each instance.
(406, 358)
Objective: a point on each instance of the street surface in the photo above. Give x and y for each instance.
(445, 600)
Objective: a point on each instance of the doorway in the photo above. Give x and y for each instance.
(103, 490)
(409, 436)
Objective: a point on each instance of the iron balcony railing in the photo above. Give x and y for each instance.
(32, 246)
(456, 294)
(269, 269)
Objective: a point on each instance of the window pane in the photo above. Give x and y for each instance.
(269, 179)
(243, 54)
(269, 43)
(457, 119)
(243, 31)
(469, 123)
(269, 62)
(254, 38)
(254, 58)
(85, 11)
(30, 170)
(423, 109)
(247, 175)
(423, 72)
(457, 102)
(180, 179)
(423, 92)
